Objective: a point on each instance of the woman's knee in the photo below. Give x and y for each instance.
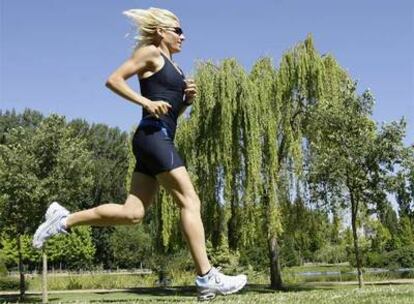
(134, 215)
(191, 201)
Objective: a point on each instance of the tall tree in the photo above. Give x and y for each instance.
(242, 131)
(36, 168)
(350, 154)
(110, 161)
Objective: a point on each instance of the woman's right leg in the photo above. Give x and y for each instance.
(142, 193)
(58, 219)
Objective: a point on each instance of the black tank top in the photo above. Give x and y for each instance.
(167, 85)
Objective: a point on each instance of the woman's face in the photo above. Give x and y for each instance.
(173, 37)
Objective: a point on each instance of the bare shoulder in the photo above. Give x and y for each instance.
(149, 54)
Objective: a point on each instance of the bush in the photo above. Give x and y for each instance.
(255, 256)
(332, 254)
(403, 257)
(181, 261)
(289, 256)
(3, 268)
(9, 283)
(74, 283)
(400, 258)
(376, 260)
(222, 256)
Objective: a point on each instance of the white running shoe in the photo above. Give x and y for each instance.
(215, 282)
(53, 207)
(52, 225)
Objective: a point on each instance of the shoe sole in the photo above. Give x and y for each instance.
(236, 290)
(211, 295)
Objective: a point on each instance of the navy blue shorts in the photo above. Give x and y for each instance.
(154, 149)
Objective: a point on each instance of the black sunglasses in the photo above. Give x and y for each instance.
(177, 30)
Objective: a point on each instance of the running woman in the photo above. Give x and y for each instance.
(165, 94)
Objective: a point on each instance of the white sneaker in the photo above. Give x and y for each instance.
(53, 224)
(53, 207)
(215, 282)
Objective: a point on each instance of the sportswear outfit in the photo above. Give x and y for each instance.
(153, 141)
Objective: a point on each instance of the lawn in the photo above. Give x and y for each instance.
(300, 294)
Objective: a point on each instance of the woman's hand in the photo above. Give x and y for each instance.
(190, 91)
(157, 108)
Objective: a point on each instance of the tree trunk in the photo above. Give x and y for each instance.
(354, 213)
(21, 271)
(44, 278)
(275, 271)
(233, 227)
(222, 233)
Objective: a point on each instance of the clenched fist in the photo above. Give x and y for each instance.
(190, 91)
(157, 108)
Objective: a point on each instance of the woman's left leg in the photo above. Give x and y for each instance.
(178, 183)
(210, 281)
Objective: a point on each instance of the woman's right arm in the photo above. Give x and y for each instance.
(142, 60)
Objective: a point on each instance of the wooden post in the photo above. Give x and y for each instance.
(21, 269)
(44, 277)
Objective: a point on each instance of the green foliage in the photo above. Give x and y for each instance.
(9, 283)
(44, 159)
(243, 129)
(11, 253)
(403, 183)
(110, 152)
(400, 258)
(249, 136)
(94, 281)
(306, 232)
(131, 246)
(381, 236)
(74, 251)
(332, 254)
(3, 268)
(223, 256)
(403, 257)
(289, 255)
(376, 260)
(406, 231)
(37, 168)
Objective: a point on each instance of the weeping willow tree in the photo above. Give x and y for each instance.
(245, 130)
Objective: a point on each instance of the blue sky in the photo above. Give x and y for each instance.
(56, 55)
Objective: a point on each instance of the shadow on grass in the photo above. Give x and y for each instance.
(191, 291)
(385, 283)
(182, 291)
(27, 299)
(265, 288)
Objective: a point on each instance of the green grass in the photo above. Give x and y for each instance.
(181, 278)
(299, 292)
(101, 281)
(344, 267)
(257, 294)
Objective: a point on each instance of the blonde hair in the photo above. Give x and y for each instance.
(147, 21)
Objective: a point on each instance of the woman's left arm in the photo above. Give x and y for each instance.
(190, 93)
